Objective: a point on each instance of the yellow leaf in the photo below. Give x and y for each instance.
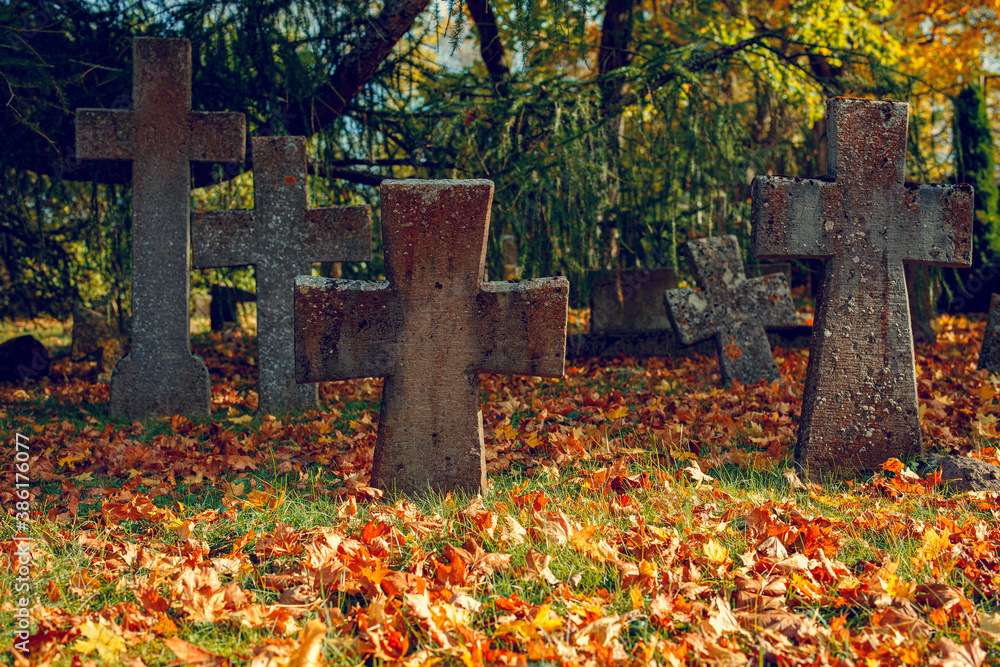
(986, 393)
(990, 623)
(934, 543)
(99, 638)
(240, 420)
(715, 551)
(618, 412)
(310, 645)
(636, 596)
(546, 620)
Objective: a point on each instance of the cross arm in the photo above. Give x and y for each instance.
(341, 233)
(345, 329)
(222, 238)
(522, 326)
(938, 229)
(217, 136)
(105, 134)
(789, 217)
(693, 317)
(769, 298)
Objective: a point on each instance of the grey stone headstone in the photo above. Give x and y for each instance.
(630, 301)
(430, 329)
(731, 309)
(989, 353)
(161, 136)
(281, 237)
(859, 404)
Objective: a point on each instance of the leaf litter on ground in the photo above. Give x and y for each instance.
(638, 514)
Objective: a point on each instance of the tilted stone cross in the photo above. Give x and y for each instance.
(281, 238)
(161, 136)
(859, 403)
(731, 309)
(429, 329)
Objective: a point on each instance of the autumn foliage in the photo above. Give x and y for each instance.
(639, 514)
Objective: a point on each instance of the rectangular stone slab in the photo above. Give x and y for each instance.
(731, 309)
(859, 404)
(430, 329)
(636, 345)
(629, 301)
(281, 237)
(161, 136)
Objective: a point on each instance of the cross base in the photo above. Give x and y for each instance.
(163, 386)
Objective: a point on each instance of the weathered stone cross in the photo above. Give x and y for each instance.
(430, 328)
(859, 403)
(161, 136)
(281, 237)
(731, 309)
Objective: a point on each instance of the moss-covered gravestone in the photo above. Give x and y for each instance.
(281, 238)
(161, 136)
(731, 309)
(859, 404)
(430, 329)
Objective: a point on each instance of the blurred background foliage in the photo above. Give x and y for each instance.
(613, 129)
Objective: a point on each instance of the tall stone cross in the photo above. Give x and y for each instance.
(429, 329)
(731, 309)
(859, 403)
(281, 238)
(161, 136)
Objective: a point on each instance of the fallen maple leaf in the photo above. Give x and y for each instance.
(308, 654)
(100, 638)
(189, 653)
(694, 470)
(538, 568)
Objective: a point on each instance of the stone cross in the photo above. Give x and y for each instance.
(859, 403)
(429, 329)
(989, 353)
(161, 136)
(731, 309)
(281, 237)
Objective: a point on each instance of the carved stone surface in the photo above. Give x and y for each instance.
(731, 309)
(629, 301)
(161, 136)
(429, 329)
(281, 238)
(859, 405)
(989, 353)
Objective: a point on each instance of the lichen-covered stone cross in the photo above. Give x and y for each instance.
(731, 309)
(161, 136)
(429, 329)
(281, 237)
(859, 403)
